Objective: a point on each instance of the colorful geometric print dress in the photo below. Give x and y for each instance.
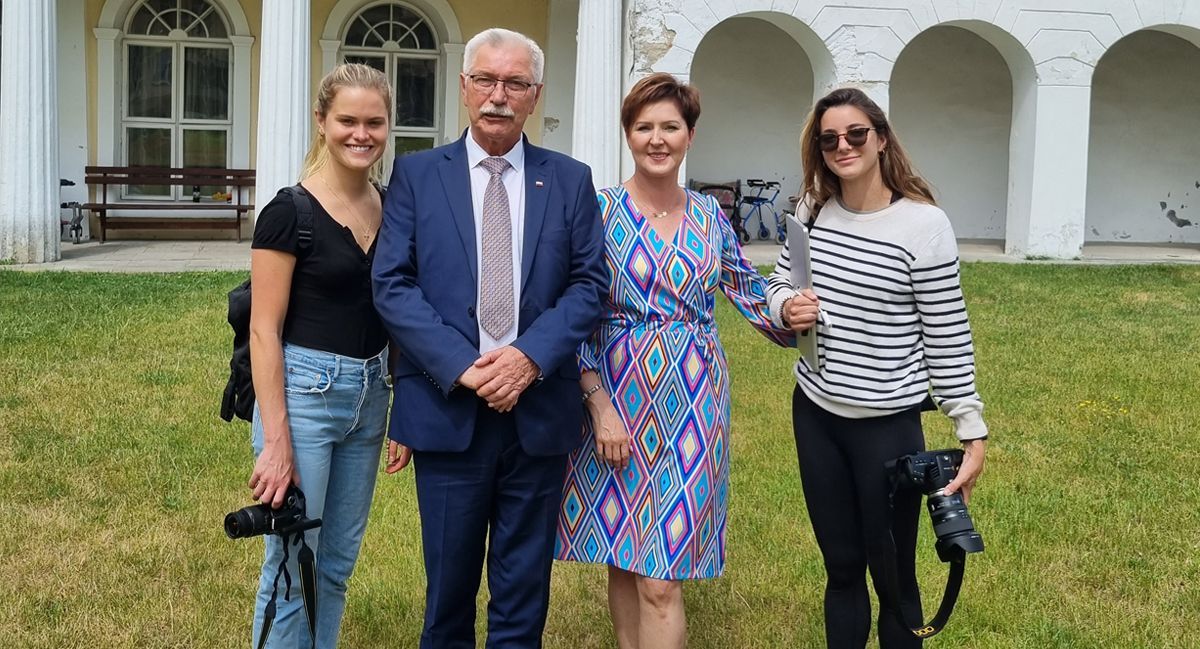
(658, 356)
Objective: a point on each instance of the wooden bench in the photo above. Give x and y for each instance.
(232, 181)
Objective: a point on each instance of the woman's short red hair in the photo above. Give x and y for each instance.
(658, 87)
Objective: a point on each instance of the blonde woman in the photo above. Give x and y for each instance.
(319, 353)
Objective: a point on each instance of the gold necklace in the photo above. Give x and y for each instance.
(366, 231)
(663, 214)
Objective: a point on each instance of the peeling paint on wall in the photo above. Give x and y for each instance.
(1173, 216)
(1179, 223)
(551, 124)
(649, 37)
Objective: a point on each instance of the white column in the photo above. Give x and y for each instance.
(1055, 224)
(107, 42)
(596, 139)
(284, 111)
(451, 100)
(241, 101)
(29, 141)
(329, 54)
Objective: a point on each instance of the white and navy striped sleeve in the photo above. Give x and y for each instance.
(946, 335)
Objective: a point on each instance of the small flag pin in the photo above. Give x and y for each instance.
(537, 183)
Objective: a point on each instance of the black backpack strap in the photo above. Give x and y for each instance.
(304, 216)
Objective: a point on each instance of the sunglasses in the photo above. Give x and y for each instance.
(854, 137)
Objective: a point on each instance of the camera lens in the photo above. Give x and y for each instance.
(952, 524)
(248, 521)
(949, 514)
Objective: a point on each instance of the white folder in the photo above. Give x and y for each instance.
(801, 260)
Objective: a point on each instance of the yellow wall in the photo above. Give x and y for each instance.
(530, 17)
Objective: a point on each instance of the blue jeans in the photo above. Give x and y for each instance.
(337, 410)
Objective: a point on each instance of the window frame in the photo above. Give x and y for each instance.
(178, 42)
(391, 54)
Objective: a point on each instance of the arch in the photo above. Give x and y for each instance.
(442, 18)
(115, 13)
(109, 32)
(823, 67)
(746, 65)
(439, 13)
(397, 39)
(967, 120)
(679, 59)
(1143, 169)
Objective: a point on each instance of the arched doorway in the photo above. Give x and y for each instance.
(951, 97)
(757, 85)
(1143, 160)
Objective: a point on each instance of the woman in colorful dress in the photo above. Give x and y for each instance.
(647, 492)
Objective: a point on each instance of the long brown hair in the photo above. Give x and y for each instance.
(821, 184)
(346, 75)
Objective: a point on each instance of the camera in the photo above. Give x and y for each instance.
(931, 471)
(262, 519)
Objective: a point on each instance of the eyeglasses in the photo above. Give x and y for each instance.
(484, 83)
(854, 137)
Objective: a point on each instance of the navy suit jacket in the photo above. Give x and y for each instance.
(425, 290)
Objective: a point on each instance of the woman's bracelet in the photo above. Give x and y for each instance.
(587, 394)
(783, 309)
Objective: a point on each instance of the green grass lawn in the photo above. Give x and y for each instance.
(115, 473)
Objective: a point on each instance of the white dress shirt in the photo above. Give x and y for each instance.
(514, 184)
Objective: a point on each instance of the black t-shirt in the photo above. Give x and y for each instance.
(331, 307)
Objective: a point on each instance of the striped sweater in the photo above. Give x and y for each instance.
(896, 325)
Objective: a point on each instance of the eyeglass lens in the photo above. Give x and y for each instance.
(854, 137)
(512, 86)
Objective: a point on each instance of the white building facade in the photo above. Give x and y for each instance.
(1043, 125)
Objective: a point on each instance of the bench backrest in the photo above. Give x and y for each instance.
(184, 176)
(181, 176)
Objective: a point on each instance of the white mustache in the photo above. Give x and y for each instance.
(492, 110)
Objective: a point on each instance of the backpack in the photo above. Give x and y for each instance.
(238, 398)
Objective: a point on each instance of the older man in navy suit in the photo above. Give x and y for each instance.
(489, 274)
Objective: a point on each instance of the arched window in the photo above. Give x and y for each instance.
(397, 40)
(176, 99)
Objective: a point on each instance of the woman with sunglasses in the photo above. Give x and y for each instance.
(892, 330)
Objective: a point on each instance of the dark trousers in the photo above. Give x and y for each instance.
(846, 490)
(493, 496)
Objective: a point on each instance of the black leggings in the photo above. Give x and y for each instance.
(846, 491)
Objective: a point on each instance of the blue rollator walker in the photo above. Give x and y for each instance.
(759, 203)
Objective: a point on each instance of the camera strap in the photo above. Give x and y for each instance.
(891, 585)
(308, 586)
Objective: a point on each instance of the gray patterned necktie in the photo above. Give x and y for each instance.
(496, 269)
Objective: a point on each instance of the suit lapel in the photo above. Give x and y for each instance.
(456, 181)
(537, 191)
